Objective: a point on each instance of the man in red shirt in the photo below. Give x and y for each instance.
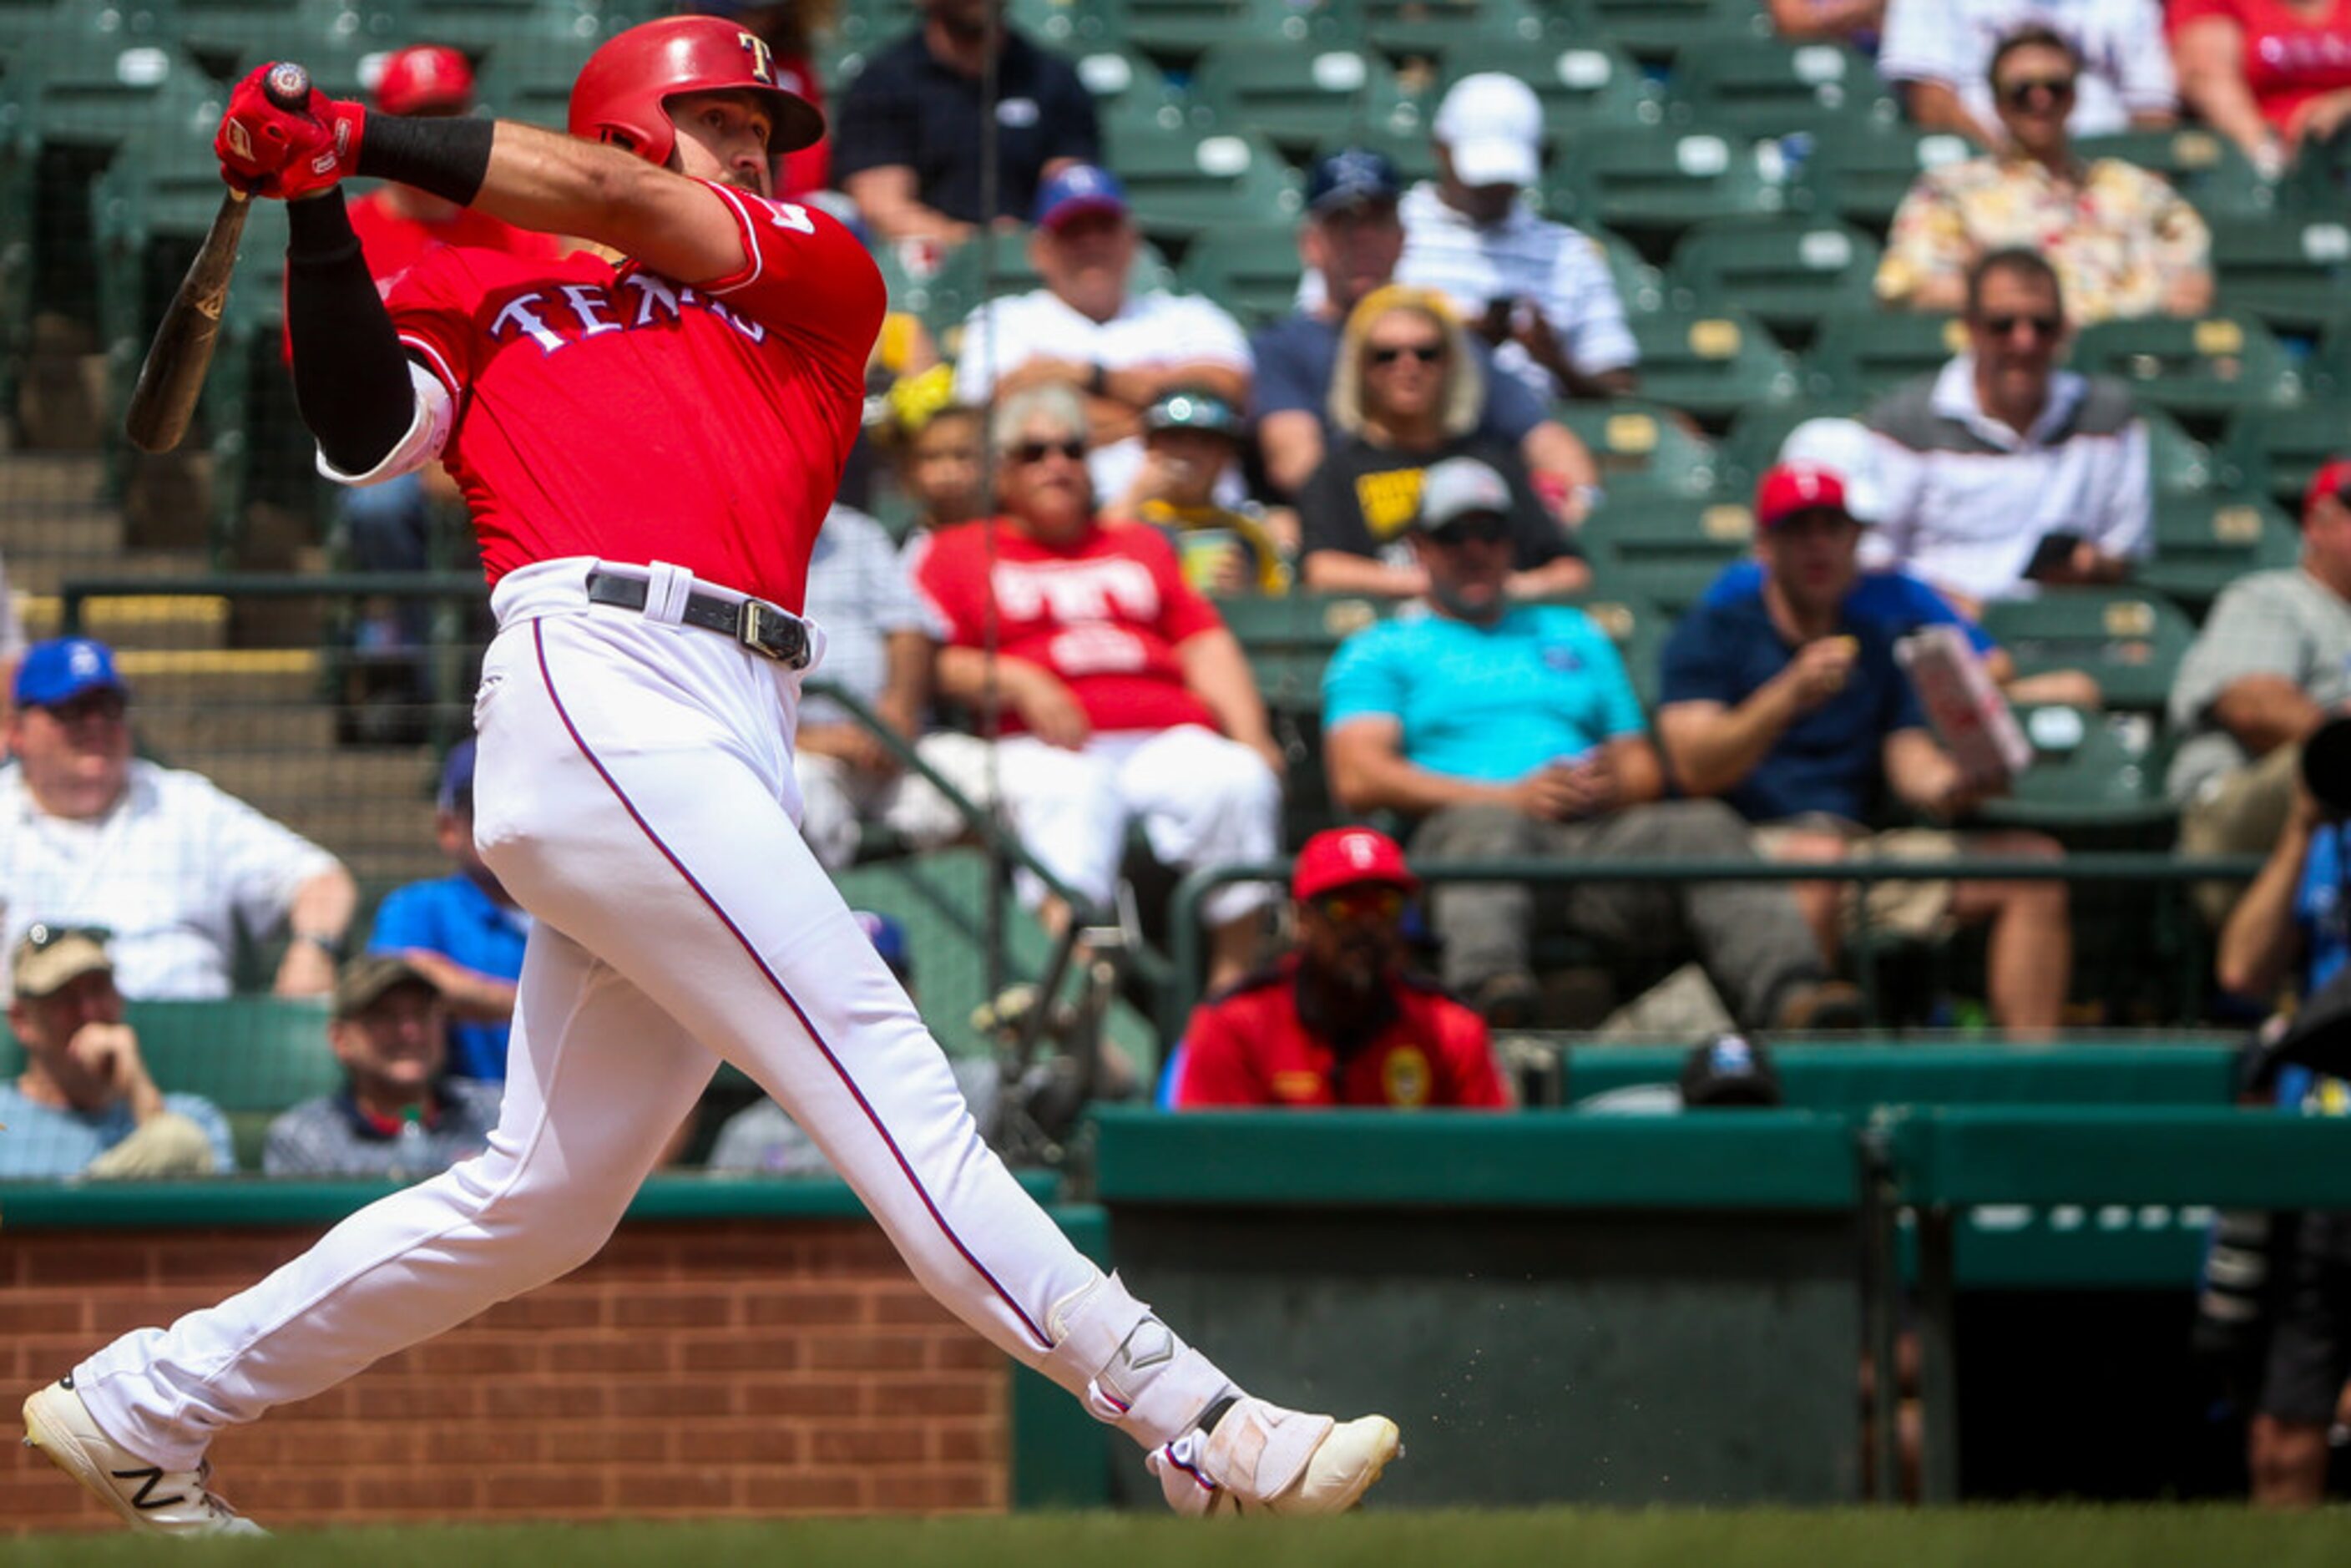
(1338, 1021)
(649, 438)
(1124, 697)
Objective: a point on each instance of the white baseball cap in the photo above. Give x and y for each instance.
(1492, 126)
(1458, 486)
(1845, 447)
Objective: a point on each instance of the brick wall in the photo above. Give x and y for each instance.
(744, 1367)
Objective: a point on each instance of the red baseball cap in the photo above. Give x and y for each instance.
(2331, 479)
(1791, 488)
(1344, 857)
(424, 77)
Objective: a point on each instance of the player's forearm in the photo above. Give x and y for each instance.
(561, 184)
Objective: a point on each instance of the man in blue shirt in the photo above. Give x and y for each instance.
(462, 933)
(1788, 703)
(1512, 732)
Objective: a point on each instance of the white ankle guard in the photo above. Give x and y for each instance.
(1137, 1374)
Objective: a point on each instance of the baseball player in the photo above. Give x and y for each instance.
(648, 446)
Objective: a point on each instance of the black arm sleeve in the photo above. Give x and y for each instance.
(350, 378)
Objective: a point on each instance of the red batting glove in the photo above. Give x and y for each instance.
(270, 151)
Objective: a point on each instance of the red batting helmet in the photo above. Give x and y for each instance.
(623, 90)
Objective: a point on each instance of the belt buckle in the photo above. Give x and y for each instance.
(750, 628)
(770, 636)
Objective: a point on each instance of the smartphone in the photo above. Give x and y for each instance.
(2053, 555)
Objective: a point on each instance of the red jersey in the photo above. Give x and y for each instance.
(1105, 612)
(610, 412)
(2290, 57)
(1250, 1048)
(393, 243)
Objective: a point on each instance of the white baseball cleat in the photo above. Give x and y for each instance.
(149, 1498)
(1262, 1459)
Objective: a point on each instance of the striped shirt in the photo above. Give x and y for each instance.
(859, 592)
(1526, 257)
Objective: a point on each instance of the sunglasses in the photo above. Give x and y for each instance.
(2018, 93)
(1038, 450)
(2005, 326)
(1348, 905)
(1426, 353)
(1485, 529)
(40, 936)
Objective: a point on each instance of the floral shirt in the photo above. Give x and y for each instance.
(2118, 234)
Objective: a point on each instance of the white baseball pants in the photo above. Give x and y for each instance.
(635, 794)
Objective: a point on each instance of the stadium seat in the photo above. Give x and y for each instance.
(1132, 97)
(2277, 450)
(1753, 442)
(1066, 26)
(2202, 371)
(1712, 365)
(2177, 463)
(1404, 28)
(1181, 186)
(1296, 96)
(1289, 640)
(329, 37)
(2130, 639)
(1181, 30)
(1640, 287)
(1584, 83)
(1638, 629)
(1251, 270)
(2206, 167)
(533, 85)
(1788, 273)
(1765, 88)
(1862, 354)
(505, 33)
(2087, 774)
(2293, 270)
(1649, 186)
(1664, 548)
(2202, 543)
(1861, 173)
(1658, 29)
(1408, 149)
(1643, 448)
(871, 25)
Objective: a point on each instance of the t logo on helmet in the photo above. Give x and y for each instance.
(763, 58)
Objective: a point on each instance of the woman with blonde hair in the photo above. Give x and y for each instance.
(1406, 394)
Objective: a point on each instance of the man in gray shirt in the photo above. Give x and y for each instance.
(2273, 658)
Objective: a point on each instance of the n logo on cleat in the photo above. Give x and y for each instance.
(149, 1479)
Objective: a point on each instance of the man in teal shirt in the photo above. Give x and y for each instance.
(1510, 733)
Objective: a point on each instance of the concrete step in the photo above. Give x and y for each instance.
(196, 679)
(282, 729)
(157, 621)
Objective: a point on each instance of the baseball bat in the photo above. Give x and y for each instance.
(172, 375)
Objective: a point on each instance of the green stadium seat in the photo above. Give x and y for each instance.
(1408, 149)
(1861, 173)
(2293, 270)
(1788, 273)
(867, 25)
(1181, 185)
(1652, 184)
(533, 85)
(2277, 450)
(1765, 88)
(1066, 26)
(2177, 463)
(329, 37)
(1133, 95)
(506, 34)
(2086, 774)
(1289, 639)
(1859, 355)
(1251, 270)
(1640, 287)
(1659, 29)
(2202, 543)
(1185, 29)
(1406, 29)
(2206, 167)
(1664, 549)
(2129, 638)
(2202, 371)
(1638, 629)
(1753, 442)
(1643, 448)
(1712, 365)
(1298, 95)
(1584, 83)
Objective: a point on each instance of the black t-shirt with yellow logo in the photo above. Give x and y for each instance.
(1363, 499)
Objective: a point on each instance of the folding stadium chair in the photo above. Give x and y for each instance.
(1650, 185)
(533, 85)
(2293, 270)
(2200, 371)
(2202, 543)
(2130, 639)
(1404, 28)
(1298, 95)
(871, 25)
(1712, 365)
(1643, 448)
(1788, 273)
(2206, 167)
(1181, 184)
(1063, 25)
(1753, 442)
(2177, 463)
(1640, 287)
(2089, 778)
(1764, 87)
(1185, 29)
(1638, 629)
(1251, 270)
(2277, 450)
(1584, 83)
(509, 33)
(1862, 354)
(1664, 548)
(1860, 172)
(1660, 29)
(1133, 96)
(330, 37)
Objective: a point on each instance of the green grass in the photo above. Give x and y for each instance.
(1564, 1537)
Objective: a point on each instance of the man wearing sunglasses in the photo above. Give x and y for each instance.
(2000, 473)
(1339, 1020)
(1936, 53)
(174, 867)
(2123, 241)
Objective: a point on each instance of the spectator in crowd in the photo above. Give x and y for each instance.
(910, 145)
(942, 451)
(2267, 74)
(397, 1115)
(1085, 328)
(792, 30)
(1534, 288)
(463, 933)
(1936, 52)
(163, 859)
(1404, 396)
(1854, 22)
(85, 1103)
(1339, 1020)
(1510, 732)
(1192, 438)
(2123, 241)
(2290, 927)
(1124, 697)
(1788, 703)
(763, 1137)
(2001, 471)
(2274, 659)
(1351, 240)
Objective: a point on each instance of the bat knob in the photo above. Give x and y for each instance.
(288, 85)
